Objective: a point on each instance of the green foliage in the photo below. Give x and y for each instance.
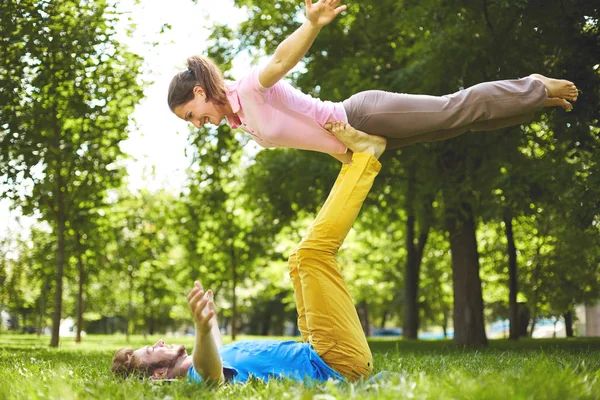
(439, 47)
(28, 271)
(67, 89)
(221, 238)
(72, 104)
(142, 272)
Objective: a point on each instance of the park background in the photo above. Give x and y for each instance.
(116, 206)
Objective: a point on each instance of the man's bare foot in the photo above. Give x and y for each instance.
(556, 102)
(357, 141)
(558, 87)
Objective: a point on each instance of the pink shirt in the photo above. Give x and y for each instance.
(283, 116)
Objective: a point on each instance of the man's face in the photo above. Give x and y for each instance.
(160, 353)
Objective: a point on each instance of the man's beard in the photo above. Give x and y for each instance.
(170, 363)
(181, 352)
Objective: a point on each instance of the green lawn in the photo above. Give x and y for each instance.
(530, 369)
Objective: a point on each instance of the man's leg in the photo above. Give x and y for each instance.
(332, 323)
(295, 274)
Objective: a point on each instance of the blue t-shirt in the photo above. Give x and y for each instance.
(265, 359)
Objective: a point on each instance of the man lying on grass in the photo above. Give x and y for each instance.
(333, 343)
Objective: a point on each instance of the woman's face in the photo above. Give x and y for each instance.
(199, 112)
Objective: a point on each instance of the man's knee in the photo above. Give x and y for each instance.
(316, 245)
(309, 255)
(353, 366)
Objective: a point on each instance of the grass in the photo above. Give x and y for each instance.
(529, 369)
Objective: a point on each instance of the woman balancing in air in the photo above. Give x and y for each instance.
(278, 115)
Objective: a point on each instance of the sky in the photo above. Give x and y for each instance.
(157, 141)
(160, 138)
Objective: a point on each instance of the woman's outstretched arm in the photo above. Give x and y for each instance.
(294, 47)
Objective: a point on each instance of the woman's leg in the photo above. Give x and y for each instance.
(400, 116)
(334, 329)
(450, 133)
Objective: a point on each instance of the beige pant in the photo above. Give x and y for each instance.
(327, 318)
(406, 119)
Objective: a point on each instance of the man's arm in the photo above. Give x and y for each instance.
(215, 331)
(205, 357)
(294, 47)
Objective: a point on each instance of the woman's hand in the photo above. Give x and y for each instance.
(322, 12)
(203, 308)
(293, 48)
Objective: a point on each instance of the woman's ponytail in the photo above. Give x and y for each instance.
(203, 72)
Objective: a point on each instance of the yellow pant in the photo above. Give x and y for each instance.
(326, 314)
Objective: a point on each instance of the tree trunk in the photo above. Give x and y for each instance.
(410, 326)
(513, 314)
(24, 319)
(61, 218)
(534, 317)
(60, 257)
(151, 325)
(414, 250)
(537, 272)
(233, 296)
(534, 298)
(234, 307)
(129, 303)
(469, 328)
(266, 322)
(146, 309)
(445, 324)
(295, 322)
(384, 318)
(569, 323)
(523, 318)
(363, 308)
(42, 310)
(80, 297)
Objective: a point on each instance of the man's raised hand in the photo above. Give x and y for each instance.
(203, 308)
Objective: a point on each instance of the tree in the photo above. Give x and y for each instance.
(68, 88)
(221, 228)
(439, 47)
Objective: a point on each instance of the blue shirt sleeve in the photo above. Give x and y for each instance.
(228, 372)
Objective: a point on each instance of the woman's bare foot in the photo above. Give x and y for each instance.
(559, 88)
(556, 102)
(357, 141)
